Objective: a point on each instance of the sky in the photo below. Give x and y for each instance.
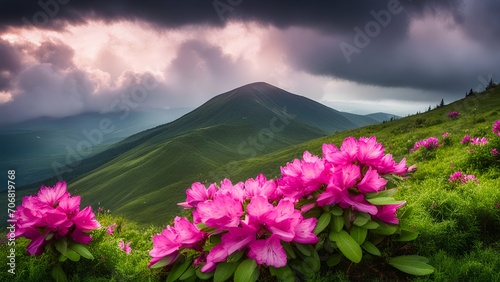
(65, 57)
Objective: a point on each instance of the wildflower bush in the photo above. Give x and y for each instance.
(54, 223)
(425, 149)
(319, 210)
(454, 115)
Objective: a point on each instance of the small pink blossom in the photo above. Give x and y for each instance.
(125, 247)
(466, 139)
(494, 152)
(111, 229)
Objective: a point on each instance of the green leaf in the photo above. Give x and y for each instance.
(72, 255)
(61, 245)
(379, 201)
(385, 193)
(81, 250)
(178, 269)
(224, 271)
(323, 222)
(164, 261)
(49, 236)
(371, 225)
(362, 219)
(290, 253)
(62, 258)
(338, 223)
(406, 235)
(204, 275)
(348, 246)
(336, 211)
(407, 212)
(236, 256)
(314, 212)
(358, 234)
(284, 274)
(371, 248)
(385, 229)
(307, 250)
(247, 271)
(187, 274)
(414, 265)
(333, 260)
(58, 274)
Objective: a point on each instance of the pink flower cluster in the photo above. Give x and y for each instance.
(445, 135)
(429, 143)
(248, 216)
(344, 176)
(257, 216)
(496, 127)
(454, 115)
(51, 215)
(474, 141)
(462, 178)
(494, 152)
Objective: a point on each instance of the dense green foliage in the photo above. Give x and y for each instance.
(458, 224)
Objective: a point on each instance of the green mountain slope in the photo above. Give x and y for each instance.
(32, 146)
(154, 167)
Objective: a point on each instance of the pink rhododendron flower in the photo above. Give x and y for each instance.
(445, 135)
(198, 193)
(125, 247)
(372, 182)
(187, 233)
(260, 186)
(53, 211)
(387, 213)
(52, 195)
(302, 177)
(268, 251)
(494, 152)
(85, 220)
(496, 127)
(222, 212)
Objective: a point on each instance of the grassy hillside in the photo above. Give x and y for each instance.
(459, 224)
(154, 166)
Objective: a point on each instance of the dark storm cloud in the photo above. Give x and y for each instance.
(10, 64)
(322, 38)
(322, 14)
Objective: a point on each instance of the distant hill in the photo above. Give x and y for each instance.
(157, 165)
(381, 117)
(32, 146)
